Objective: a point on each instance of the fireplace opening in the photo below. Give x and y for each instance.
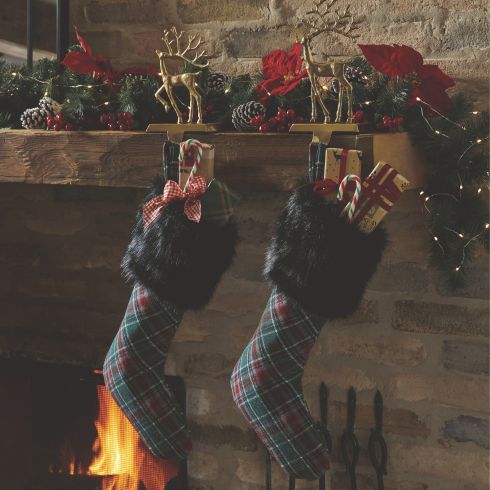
(61, 430)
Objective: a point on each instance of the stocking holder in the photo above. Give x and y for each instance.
(322, 133)
(176, 132)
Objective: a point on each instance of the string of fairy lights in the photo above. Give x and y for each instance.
(427, 198)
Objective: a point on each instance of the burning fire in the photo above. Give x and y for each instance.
(118, 453)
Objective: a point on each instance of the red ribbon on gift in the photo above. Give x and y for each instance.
(343, 164)
(379, 189)
(196, 187)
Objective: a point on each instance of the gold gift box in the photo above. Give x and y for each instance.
(204, 169)
(380, 191)
(336, 158)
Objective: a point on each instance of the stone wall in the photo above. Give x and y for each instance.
(452, 33)
(424, 347)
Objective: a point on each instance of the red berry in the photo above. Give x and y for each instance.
(123, 127)
(281, 113)
(272, 122)
(57, 127)
(398, 120)
(281, 128)
(103, 119)
(254, 121)
(291, 114)
(59, 117)
(386, 120)
(299, 119)
(111, 117)
(69, 127)
(112, 126)
(358, 116)
(50, 120)
(263, 128)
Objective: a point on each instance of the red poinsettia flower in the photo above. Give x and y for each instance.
(100, 67)
(281, 71)
(429, 81)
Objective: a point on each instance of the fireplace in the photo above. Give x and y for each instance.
(61, 430)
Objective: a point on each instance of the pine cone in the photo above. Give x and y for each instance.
(217, 83)
(242, 114)
(354, 74)
(50, 106)
(34, 118)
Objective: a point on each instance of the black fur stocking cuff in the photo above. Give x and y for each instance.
(320, 260)
(180, 260)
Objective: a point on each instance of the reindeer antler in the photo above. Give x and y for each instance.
(325, 20)
(171, 37)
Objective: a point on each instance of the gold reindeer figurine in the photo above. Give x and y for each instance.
(322, 20)
(173, 50)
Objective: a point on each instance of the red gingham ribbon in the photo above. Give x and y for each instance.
(196, 187)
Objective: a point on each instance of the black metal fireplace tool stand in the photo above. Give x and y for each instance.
(349, 444)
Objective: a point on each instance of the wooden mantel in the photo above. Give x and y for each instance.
(245, 161)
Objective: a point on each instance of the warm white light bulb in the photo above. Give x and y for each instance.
(437, 131)
(460, 235)
(426, 199)
(478, 141)
(457, 268)
(475, 112)
(421, 193)
(487, 226)
(479, 190)
(106, 103)
(436, 239)
(461, 187)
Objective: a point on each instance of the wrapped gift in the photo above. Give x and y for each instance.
(380, 191)
(205, 168)
(340, 162)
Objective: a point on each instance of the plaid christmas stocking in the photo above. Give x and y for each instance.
(319, 266)
(133, 373)
(180, 247)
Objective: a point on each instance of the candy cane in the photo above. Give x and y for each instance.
(185, 147)
(352, 205)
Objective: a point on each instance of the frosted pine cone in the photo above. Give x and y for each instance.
(242, 114)
(217, 83)
(50, 106)
(34, 118)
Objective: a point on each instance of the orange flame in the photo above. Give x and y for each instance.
(119, 455)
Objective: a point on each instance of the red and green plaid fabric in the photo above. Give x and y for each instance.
(266, 386)
(134, 374)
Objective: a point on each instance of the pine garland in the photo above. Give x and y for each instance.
(457, 165)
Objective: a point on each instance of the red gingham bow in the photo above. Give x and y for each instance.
(196, 187)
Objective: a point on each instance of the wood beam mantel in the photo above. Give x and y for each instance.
(245, 161)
